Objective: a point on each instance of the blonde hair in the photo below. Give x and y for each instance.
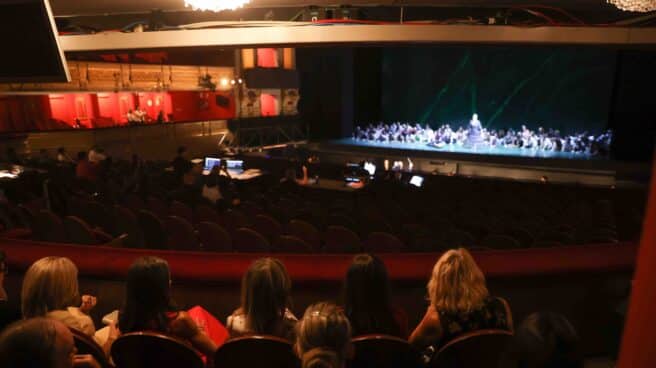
(265, 295)
(323, 337)
(457, 284)
(49, 284)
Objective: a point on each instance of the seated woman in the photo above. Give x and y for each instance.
(265, 299)
(459, 302)
(148, 307)
(545, 340)
(50, 289)
(367, 299)
(324, 337)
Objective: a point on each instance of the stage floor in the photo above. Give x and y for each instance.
(488, 151)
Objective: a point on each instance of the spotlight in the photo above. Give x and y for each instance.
(240, 81)
(233, 82)
(224, 82)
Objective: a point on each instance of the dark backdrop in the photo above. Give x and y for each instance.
(563, 88)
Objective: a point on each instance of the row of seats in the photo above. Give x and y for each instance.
(482, 348)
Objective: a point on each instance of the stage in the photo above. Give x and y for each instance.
(497, 162)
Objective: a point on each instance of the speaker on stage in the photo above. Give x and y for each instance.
(222, 101)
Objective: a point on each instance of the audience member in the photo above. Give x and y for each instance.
(85, 169)
(50, 289)
(96, 155)
(42, 343)
(459, 302)
(62, 156)
(324, 337)
(190, 192)
(8, 311)
(44, 158)
(265, 302)
(181, 163)
(545, 340)
(367, 299)
(148, 306)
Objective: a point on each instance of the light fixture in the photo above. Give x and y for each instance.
(215, 5)
(224, 82)
(642, 6)
(233, 82)
(240, 81)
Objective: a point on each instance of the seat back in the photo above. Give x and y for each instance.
(256, 351)
(384, 351)
(153, 350)
(340, 239)
(267, 226)
(234, 219)
(203, 213)
(96, 214)
(134, 202)
(125, 222)
(213, 237)
(379, 242)
(249, 241)
(482, 348)
(458, 238)
(305, 231)
(49, 227)
(157, 207)
(291, 244)
(181, 210)
(78, 231)
(153, 230)
(86, 345)
(181, 234)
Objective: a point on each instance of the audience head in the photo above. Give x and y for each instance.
(61, 150)
(37, 343)
(182, 150)
(546, 340)
(457, 284)
(147, 296)
(265, 294)
(49, 284)
(323, 337)
(367, 297)
(82, 156)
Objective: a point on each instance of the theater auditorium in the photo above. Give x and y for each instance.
(295, 184)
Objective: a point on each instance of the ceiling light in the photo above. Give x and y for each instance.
(635, 5)
(215, 5)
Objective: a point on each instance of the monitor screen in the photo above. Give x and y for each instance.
(417, 181)
(235, 164)
(210, 162)
(29, 37)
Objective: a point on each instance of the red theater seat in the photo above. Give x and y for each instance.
(181, 210)
(86, 345)
(246, 240)
(148, 349)
(256, 351)
(482, 348)
(383, 351)
(213, 237)
(306, 231)
(340, 239)
(379, 242)
(181, 234)
(291, 244)
(267, 226)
